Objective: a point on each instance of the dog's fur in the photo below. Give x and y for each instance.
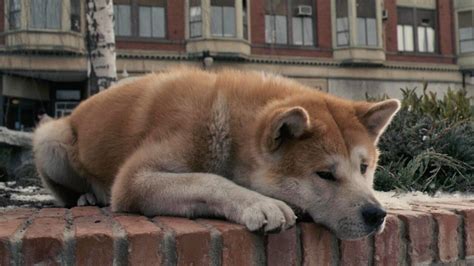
(243, 145)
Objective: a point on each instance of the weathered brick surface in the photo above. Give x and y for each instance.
(283, 248)
(43, 241)
(356, 252)
(419, 227)
(434, 232)
(10, 222)
(447, 224)
(193, 241)
(388, 244)
(93, 236)
(144, 240)
(319, 245)
(238, 244)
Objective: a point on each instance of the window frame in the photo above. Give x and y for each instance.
(75, 16)
(290, 7)
(46, 10)
(195, 4)
(223, 20)
(165, 20)
(12, 12)
(459, 33)
(415, 24)
(365, 19)
(135, 19)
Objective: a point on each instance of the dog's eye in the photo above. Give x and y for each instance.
(363, 168)
(326, 175)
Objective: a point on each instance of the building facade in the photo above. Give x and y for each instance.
(345, 47)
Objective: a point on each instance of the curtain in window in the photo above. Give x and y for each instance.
(45, 14)
(195, 18)
(223, 18)
(342, 23)
(405, 34)
(366, 23)
(466, 31)
(122, 17)
(276, 29)
(151, 21)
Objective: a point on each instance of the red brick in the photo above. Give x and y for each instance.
(43, 241)
(388, 243)
(468, 215)
(144, 240)
(323, 17)
(319, 245)
(282, 248)
(52, 212)
(94, 239)
(448, 239)
(85, 211)
(445, 27)
(7, 229)
(419, 228)
(356, 252)
(465, 210)
(238, 244)
(390, 26)
(193, 241)
(19, 213)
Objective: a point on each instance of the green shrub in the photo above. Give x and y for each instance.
(430, 144)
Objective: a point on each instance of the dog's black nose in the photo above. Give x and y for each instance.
(373, 216)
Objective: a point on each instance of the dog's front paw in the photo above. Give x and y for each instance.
(87, 199)
(269, 215)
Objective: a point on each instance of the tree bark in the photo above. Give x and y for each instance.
(100, 42)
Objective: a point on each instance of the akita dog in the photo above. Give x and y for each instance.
(241, 145)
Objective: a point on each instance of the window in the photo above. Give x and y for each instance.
(342, 23)
(302, 22)
(76, 15)
(152, 19)
(466, 31)
(289, 21)
(195, 18)
(14, 14)
(223, 18)
(426, 30)
(366, 23)
(45, 14)
(416, 25)
(123, 25)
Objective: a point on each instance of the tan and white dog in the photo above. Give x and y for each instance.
(242, 145)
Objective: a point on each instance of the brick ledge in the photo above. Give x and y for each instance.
(431, 233)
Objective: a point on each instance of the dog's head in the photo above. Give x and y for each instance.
(318, 153)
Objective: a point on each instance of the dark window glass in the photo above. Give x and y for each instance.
(76, 15)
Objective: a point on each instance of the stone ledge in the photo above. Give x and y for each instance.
(430, 233)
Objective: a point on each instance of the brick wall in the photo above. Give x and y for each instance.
(430, 233)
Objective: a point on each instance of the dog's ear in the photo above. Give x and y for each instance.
(285, 124)
(377, 116)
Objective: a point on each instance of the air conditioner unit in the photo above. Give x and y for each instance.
(304, 10)
(385, 14)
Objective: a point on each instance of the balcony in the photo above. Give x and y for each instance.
(217, 28)
(39, 27)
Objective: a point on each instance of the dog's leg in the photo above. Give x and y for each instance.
(51, 144)
(144, 186)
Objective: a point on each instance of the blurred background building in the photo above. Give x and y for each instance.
(345, 47)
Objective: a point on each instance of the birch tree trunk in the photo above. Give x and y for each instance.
(100, 43)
